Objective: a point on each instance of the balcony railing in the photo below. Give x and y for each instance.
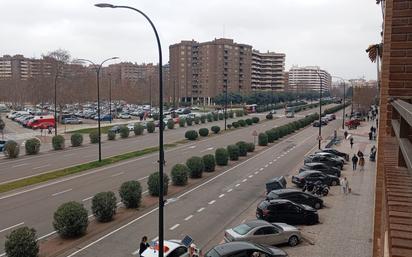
(402, 128)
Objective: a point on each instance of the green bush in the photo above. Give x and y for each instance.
(255, 119)
(229, 126)
(209, 117)
(269, 116)
(235, 124)
(263, 139)
(76, 139)
(170, 124)
(189, 121)
(182, 122)
(180, 173)
(215, 116)
(196, 120)
(204, 132)
(94, 137)
(249, 122)
(124, 132)
(221, 116)
(250, 147)
(138, 129)
(221, 156)
(209, 162)
(242, 123)
(233, 151)
(32, 146)
(203, 118)
(131, 194)
(58, 142)
(242, 148)
(104, 206)
(191, 135)
(271, 134)
(154, 186)
(11, 149)
(196, 166)
(70, 219)
(111, 135)
(22, 242)
(215, 129)
(150, 127)
(231, 114)
(239, 113)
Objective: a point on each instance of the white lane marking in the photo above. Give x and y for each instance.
(237, 185)
(220, 196)
(142, 178)
(188, 217)
(256, 172)
(62, 192)
(19, 165)
(47, 235)
(145, 192)
(5, 229)
(211, 202)
(250, 176)
(270, 163)
(230, 190)
(175, 226)
(267, 165)
(244, 180)
(261, 169)
(191, 147)
(201, 209)
(117, 174)
(70, 154)
(86, 199)
(43, 166)
(274, 159)
(207, 149)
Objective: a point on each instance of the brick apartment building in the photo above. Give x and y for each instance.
(18, 67)
(393, 199)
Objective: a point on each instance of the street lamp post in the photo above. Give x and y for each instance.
(161, 125)
(97, 69)
(225, 114)
(320, 109)
(110, 97)
(344, 100)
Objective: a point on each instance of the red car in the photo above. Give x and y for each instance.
(352, 123)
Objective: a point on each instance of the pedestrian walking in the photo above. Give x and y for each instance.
(362, 163)
(373, 149)
(370, 135)
(354, 162)
(359, 154)
(143, 245)
(351, 142)
(49, 130)
(343, 185)
(345, 134)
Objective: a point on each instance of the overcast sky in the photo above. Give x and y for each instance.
(332, 34)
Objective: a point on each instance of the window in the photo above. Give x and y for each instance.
(242, 229)
(181, 250)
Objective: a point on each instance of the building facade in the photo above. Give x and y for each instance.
(309, 79)
(268, 71)
(18, 67)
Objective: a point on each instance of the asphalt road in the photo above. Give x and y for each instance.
(27, 166)
(206, 210)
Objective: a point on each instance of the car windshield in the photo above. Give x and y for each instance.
(212, 253)
(242, 229)
(273, 195)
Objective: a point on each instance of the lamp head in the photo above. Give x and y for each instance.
(104, 5)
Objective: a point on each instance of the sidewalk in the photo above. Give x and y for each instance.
(346, 222)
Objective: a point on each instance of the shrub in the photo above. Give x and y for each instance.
(242, 123)
(191, 134)
(94, 137)
(58, 142)
(209, 162)
(235, 124)
(263, 139)
(231, 114)
(196, 120)
(249, 122)
(138, 129)
(104, 206)
(233, 151)
(150, 126)
(131, 194)
(180, 173)
(269, 116)
(22, 242)
(124, 132)
(32, 146)
(154, 186)
(250, 147)
(111, 135)
(243, 147)
(229, 126)
(204, 132)
(215, 116)
(221, 116)
(221, 156)
(70, 219)
(271, 135)
(182, 122)
(189, 121)
(209, 117)
(215, 129)
(239, 113)
(76, 139)
(196, 166)
(255, 119)
(170, 124)
(203, 118)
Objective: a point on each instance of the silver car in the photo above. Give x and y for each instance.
(263, 232)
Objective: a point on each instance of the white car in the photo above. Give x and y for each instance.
(171, 248)
(124, 116)
(130, 126)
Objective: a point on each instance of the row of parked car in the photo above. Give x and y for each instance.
(324, 120)
(32, 120)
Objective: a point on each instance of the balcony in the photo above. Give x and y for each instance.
(402, 128)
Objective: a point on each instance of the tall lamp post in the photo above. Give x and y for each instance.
(97, 69)
(225, 114)
(344, 100)
(320, 109)
(110, 97)
(161, 125)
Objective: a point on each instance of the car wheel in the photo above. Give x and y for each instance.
(293, 241)
(334, 183)
(317, 205)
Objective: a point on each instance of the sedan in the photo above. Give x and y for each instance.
(263, 232)
(296, 196)
(322, 167)
(312, 176)
(331, 155)
(335, 152)
(244, 249)
(332, 162)
(124, 116)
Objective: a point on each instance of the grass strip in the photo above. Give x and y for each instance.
(77, 168)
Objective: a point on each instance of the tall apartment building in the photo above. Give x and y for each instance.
(22, 68)
(268, 71)
(307, 78)
(200, 71)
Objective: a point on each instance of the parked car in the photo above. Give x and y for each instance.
(335, 152)
(314, 175)
(352, 123)
(2, 143)
(71, 120)
(173, 248)
(322, 167)
(115, 129)
(124, 116)
(332, 162)
(316, 123)
(330, 155)
(296, 196)
(281, 210)
(263, 232)
(244, 249)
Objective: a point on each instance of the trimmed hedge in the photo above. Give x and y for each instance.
(182, 122)
(138, 129)
(11, 149)
(111, 135)
(233, 151)
(204, 132)
(263, 139)
(235, 124)
(76, 139)
(271, 135)
(215, 116)
(196, 166)
(70, 220)
(150, 127)
(203, 118)
(124, 132)
(154, 186)
(255, 119)
(242, 123)
(249, 122)
(196, 120)
(104, 206)
(269, 116)
(131, 194)
(250, 147)
(243, 147)
(189, 121)
(58, 142)
(209, 162)
(22, 242)
(94, 137)
(170, 124)
(221, 156)
(215, 129)
(221, 116)
(191, 135)
(180, 173)
(209, 117)
(32, 146)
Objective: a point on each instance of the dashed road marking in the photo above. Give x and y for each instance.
(250, 176)
(86, 199)
(188, 217)
(201, 209)
(267, 165)
(211, 202)
(117, 174)
(244, 180)
(237, 185)
(19, 165)
(220, 196)
(43, 166)
(62, 192)
(270, 163)
(261, 169)
(5, 229)
(230, 190)
(256, 172)
(175, 226)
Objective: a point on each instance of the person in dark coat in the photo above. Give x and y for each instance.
(354, 162)
(143, 245)
(351, 142)
(370, 135)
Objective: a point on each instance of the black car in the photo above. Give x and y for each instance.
(296, 196)
(244, 249)
(115, 129)
(335, 152)
(2, 143)
(316, 123)
(321, 167)
(281, 210)
(332, 162)
(314, 175)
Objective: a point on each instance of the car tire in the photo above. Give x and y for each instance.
(293, 241)
(317, 205)
(334, 183)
